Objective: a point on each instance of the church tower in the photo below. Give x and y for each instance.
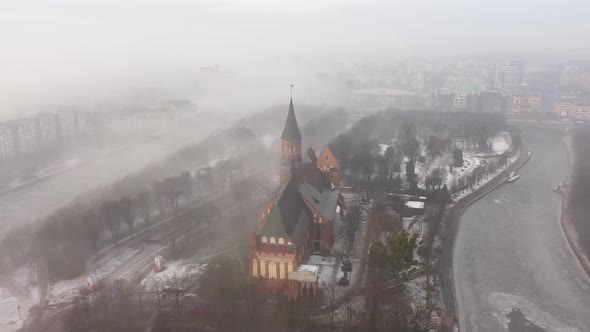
(290, 144)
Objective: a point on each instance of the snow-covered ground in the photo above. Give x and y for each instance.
(486, 180)
(501, 143)
(26, 280)
(66, 290)
(173, 269)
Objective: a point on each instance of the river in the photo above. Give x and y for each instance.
(512, 265)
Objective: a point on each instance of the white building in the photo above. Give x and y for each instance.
(47, 128)
(66, 123)
(25, 134)
(460, 100)
(7, 147)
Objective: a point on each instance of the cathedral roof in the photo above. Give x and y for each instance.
(289, 217)
(291, 131)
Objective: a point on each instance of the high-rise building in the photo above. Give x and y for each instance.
(509, 75)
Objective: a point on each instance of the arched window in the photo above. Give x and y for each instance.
(282, 270)
(272, 240)
(272, 270)
(263, 268)
(254, 268)
(290, 266)
(281, 241)
(264, 239)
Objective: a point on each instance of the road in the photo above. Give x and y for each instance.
(56, 191)
(513, 268)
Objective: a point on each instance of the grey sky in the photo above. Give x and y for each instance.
(56, 50)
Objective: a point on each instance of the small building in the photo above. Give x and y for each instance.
(412, 208)
(303, 284)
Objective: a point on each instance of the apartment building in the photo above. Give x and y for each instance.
(7, 144)
(526, 103)
(47, 128)
(25, 134)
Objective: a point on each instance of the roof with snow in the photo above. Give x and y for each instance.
(323, 200)
(414, 204)
(305, 272)
(291, 131)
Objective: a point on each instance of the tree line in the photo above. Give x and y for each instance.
(412, 138)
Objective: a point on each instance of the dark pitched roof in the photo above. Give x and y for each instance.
(310, 173)
(322, 200)
(289, 216)
(291, 130)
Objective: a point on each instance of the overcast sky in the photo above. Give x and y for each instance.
(54, 51)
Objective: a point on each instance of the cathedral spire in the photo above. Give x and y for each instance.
(291, 131)
(290, 143)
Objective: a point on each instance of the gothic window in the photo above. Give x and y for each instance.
(254, 267)
(272, 270)
(281, 241)
(272, 240)
(290, 266)
(263, 268)
(264, 239)
(282, 270)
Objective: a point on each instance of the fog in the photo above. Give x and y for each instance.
(71, 52)
(154, 131)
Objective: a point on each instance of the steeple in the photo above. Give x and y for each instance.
(290, 144)
(291, 131)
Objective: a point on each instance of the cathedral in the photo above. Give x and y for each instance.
(298, 221)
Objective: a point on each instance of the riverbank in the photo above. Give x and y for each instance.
(567, 222)
(450, 223)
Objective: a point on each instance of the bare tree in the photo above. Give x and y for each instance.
(141, 287)
(177, 286)
(122, 291)
(157, 289)
(127, 208)
(92, 220)
(330, 293)
(112, 217)
(160, 196)
(348, 312)
(144, 205)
